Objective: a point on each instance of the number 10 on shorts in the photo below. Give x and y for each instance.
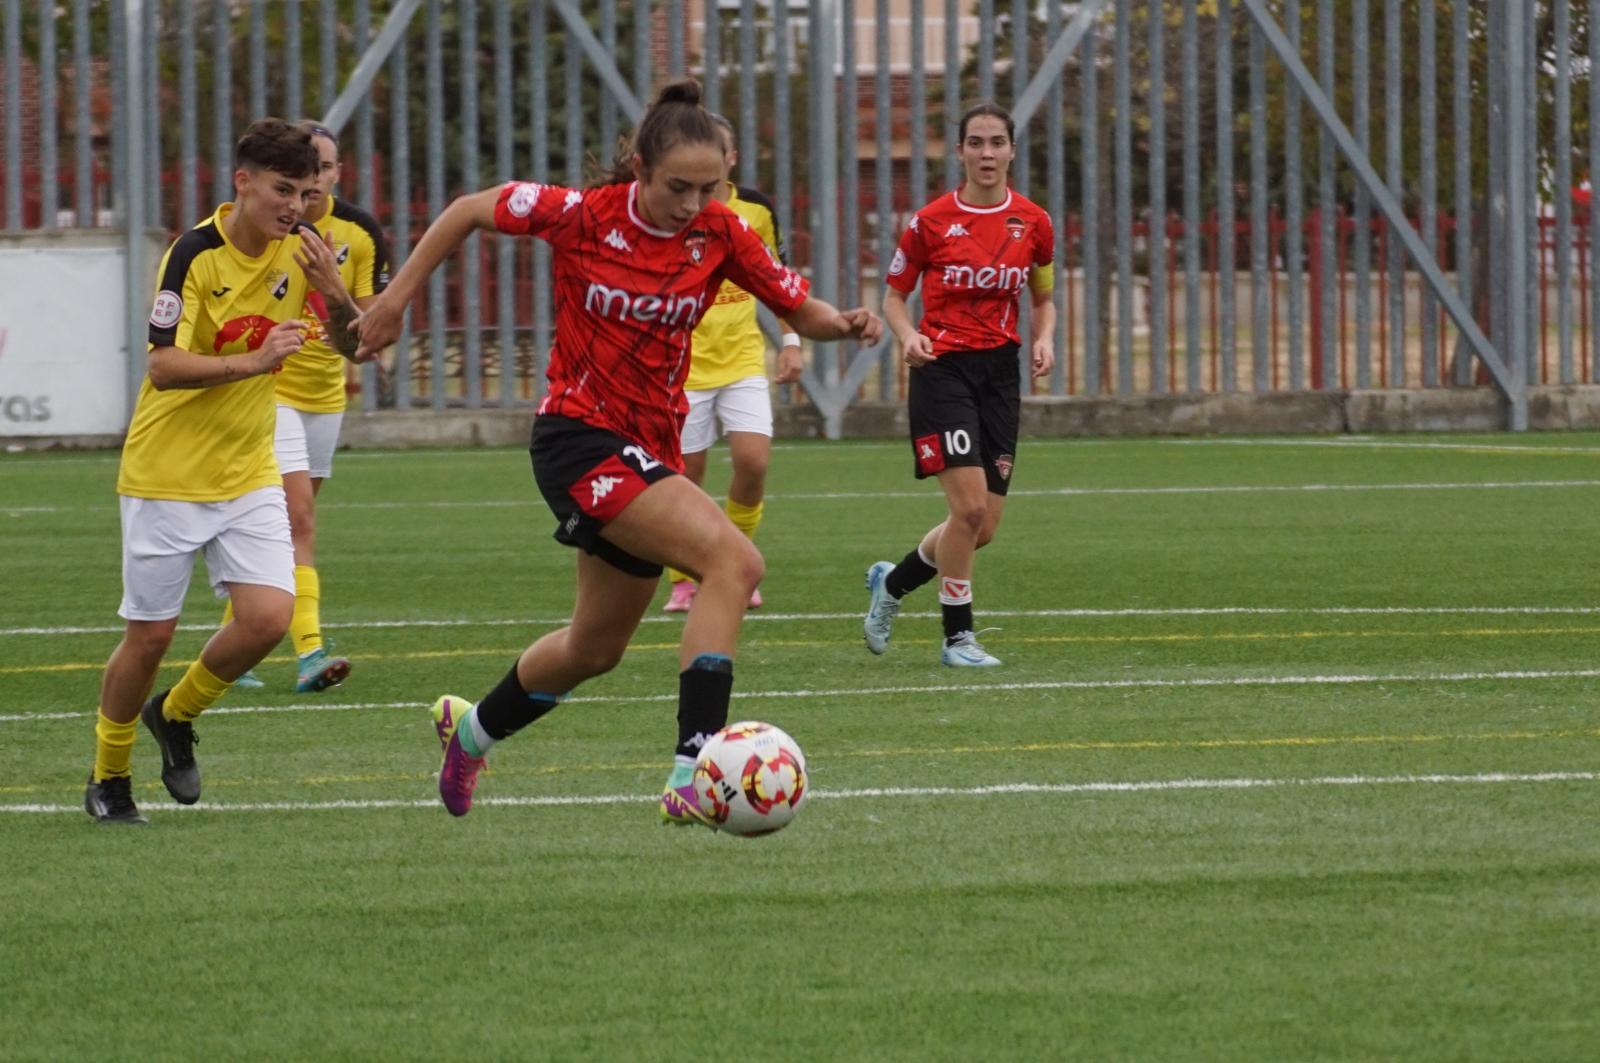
(932, 449)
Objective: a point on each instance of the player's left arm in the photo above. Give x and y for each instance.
(1041, 285)
(791, 360)
(753, 266)
(316, 257)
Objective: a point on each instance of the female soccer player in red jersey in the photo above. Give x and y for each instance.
(974, 250)
(637, 262)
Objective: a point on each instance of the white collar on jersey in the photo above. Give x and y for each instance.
(633, 214)
(970, 209)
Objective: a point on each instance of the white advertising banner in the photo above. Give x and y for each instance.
(62, 341)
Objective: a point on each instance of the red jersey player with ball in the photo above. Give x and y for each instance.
(637, 262)
(974, 250)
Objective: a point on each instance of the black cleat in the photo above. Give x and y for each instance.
(111, 801)
(177, 741)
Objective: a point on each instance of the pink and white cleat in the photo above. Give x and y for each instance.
(458, 775)
(682, 597)
(755, 598)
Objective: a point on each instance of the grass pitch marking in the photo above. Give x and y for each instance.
(878, 793)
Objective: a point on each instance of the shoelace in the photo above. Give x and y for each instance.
(181, 741)
(117, 794)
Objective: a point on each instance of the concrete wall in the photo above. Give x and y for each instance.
(1240, 413)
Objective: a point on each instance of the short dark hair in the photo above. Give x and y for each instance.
(676, 117)
(317, 129)
(276, 145)
(989, 110)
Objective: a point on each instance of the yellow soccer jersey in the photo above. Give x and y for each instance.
(313, 377)
(728, 344)
(211, 444)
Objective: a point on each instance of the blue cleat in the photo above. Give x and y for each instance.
(318, 671)
(884, 607)
(967, 652)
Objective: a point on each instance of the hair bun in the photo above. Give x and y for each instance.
(684, 90)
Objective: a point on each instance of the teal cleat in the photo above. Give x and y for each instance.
(248, 681)
(318, 671)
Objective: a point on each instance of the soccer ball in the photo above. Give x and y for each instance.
(750, 779)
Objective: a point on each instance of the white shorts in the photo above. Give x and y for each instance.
(245, 540)
(742, 406)
(305, 441)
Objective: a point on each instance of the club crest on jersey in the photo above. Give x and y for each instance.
(1002, 465)
(1016, 227)
(278, 283)
(695, 241)
(344, 253)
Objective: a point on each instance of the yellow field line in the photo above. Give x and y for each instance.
(1128, 745)
(1240, 636)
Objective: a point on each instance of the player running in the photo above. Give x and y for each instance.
(974, 250)
(311, 402)
(728, 382)
(197, 472)
(637, 262)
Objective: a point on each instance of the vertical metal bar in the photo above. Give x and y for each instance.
(883, 195)
(1056, 167)
(258, 58)
(189, 121)
(1260, 283)
(221, 102)
(1594, 189)
(328, 60)
(1020, 36)
(13, 46)
(641, 49)
(150, 94)
(1157, 242)
(608, 103)
(1494, 188)
(1563, 189)
(437, 308)
(121, 102)
(505, 274)
(846, 219)
(919, 105)
(783, 172)
(1327, 209)
(986, 49)
(135, 47)
(539, 163)
(711, 49)
(823, 149)
(1088, 123)
(675, 63)
(367, 173)
(1294, 213)
(400, 221)
(1394, 165)
(49, 120)
(750, 150)
(1530, 157)
(293, 93)
(1361, 48)
(1226, 197)
(1461, 115)
(83, 78)
(1191, 197)
(952, 90)
(1428, 181)
(472, 267)
(572, 105)
(1123, 177)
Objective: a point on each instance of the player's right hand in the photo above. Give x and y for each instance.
(285, 338)
(379, 326)
(918, 349)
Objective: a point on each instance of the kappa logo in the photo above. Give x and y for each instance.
(926, 452)
(601, 486)
(523, 199)
(574, 197)
(792, 283)
(913, 225)
(956, 230)
(615, 239)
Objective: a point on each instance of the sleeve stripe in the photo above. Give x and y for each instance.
(380, 248)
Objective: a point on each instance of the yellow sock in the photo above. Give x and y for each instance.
(113, 747)
(196, 692)
(746, 518)
(305, 627)
(677, 577)
(227, 612)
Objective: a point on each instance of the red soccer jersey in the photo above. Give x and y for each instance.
(628, 297)
(974, 263)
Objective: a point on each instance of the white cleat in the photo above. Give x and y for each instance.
(884, 607)
(967, 652)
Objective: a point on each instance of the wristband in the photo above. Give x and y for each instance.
(790, 339)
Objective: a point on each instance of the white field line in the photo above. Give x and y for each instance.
(1004, 789)
(1367, 443)
(932, 493)
(1226, 610)
(969, 689)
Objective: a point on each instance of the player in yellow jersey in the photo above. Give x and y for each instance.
(728, 379)
(311, 402)
(198, 473)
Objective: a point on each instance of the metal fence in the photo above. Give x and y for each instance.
(1213, 165)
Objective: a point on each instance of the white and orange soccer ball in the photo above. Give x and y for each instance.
(751, 779)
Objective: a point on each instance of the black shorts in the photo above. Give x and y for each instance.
(587, 476)
(964, 408)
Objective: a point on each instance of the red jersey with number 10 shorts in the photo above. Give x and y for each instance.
(974, 263)
(628, 296)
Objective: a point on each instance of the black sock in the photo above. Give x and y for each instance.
(508, 708)
(911, 573)
(957, 621)
(704, 689)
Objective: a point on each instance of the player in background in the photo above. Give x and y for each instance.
(974, 250)
(636, 262)
(728, 378)
(311, 403)
(198, 474)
